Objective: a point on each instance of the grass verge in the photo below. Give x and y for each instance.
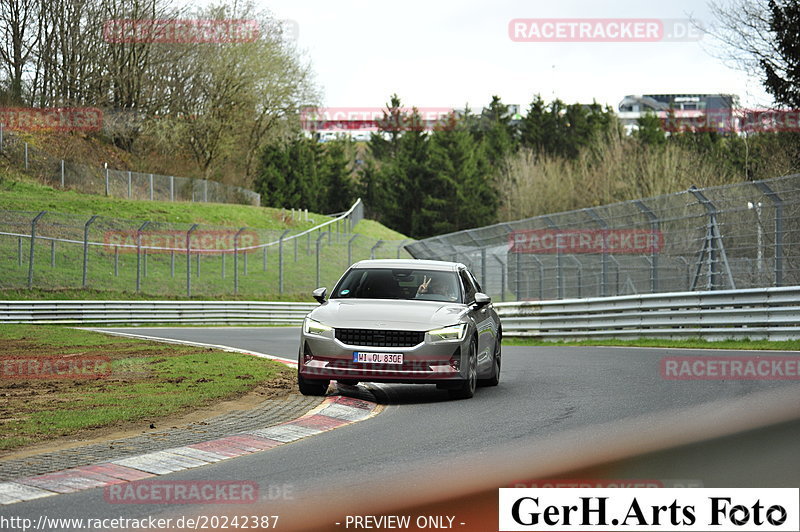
(688, 343)
(147, 381)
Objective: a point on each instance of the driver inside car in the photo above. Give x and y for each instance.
(435, 286)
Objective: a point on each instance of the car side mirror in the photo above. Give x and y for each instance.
(319, 294)
(481, 300)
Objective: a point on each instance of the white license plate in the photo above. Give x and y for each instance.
(377, 358)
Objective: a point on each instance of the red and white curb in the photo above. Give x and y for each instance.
(334, 412)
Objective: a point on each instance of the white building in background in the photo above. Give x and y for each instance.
(717, 110)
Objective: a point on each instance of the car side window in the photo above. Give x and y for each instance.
(469, 288)
(475, 281)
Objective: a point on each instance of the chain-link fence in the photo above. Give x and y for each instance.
(52, 251)
(120, 183)
(737, 236)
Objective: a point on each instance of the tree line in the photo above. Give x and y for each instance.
(476, 169)
(216, 102)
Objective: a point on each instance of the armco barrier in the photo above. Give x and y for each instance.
(759, 313)
(143, 312)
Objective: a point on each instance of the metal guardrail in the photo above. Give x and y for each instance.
(771, 313)
(759, 313)
(142, 312)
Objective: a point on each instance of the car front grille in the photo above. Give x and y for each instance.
(380, 338)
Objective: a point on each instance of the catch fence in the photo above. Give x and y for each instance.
(63, 174)
(56, 251)
(738, 236)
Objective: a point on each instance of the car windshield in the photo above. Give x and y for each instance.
(394, 283)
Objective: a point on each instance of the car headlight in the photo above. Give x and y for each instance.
(453, 332)
(314, 327)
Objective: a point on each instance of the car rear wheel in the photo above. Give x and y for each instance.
(467, 388)
(347, 382)
(312, 387)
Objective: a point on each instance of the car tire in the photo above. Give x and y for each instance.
(312, 387)
(494, 380)
(467, 387)
(347, 382)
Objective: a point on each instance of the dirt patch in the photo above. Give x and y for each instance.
(278, 388)
(27, 404)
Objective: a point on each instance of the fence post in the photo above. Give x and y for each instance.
(502, 277)
(33, 240)
(376, 246)
(280, 261)
(350, 250)
(26, 156)
(1, 137)
(712, 246)
(483, 268)
(236, 261)
(400, 247)
(107, 188)
(86, 249)
(604, 257)
(172, 188)
(53, 253)
(151, 187)
(130, 184)
(138, 254)
(205, 190)
(62, 173)
(189, 260)
(559, 260)
(319, 238)
(778, 202)
(655, 242)
(197, 266)
(116, 261)
(580, 274)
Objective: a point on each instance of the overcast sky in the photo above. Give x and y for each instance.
(448, 53)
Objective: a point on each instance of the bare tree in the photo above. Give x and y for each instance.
(19, 36)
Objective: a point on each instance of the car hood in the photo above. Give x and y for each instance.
(388, 314)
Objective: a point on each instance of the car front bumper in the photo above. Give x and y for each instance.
(328, 358)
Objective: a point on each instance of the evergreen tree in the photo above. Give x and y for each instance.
(782, 70)
(336, 175)
(461, 193)
(650, 132)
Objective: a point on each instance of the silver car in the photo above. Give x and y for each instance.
(402, 321)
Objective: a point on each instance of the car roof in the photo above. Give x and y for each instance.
(409, 263)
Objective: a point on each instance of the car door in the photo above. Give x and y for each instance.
(482, 320)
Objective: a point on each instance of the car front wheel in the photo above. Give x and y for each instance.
(312, 387)
(467, 388)
(494, 380)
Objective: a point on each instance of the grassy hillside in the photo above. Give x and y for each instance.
(58, 266)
